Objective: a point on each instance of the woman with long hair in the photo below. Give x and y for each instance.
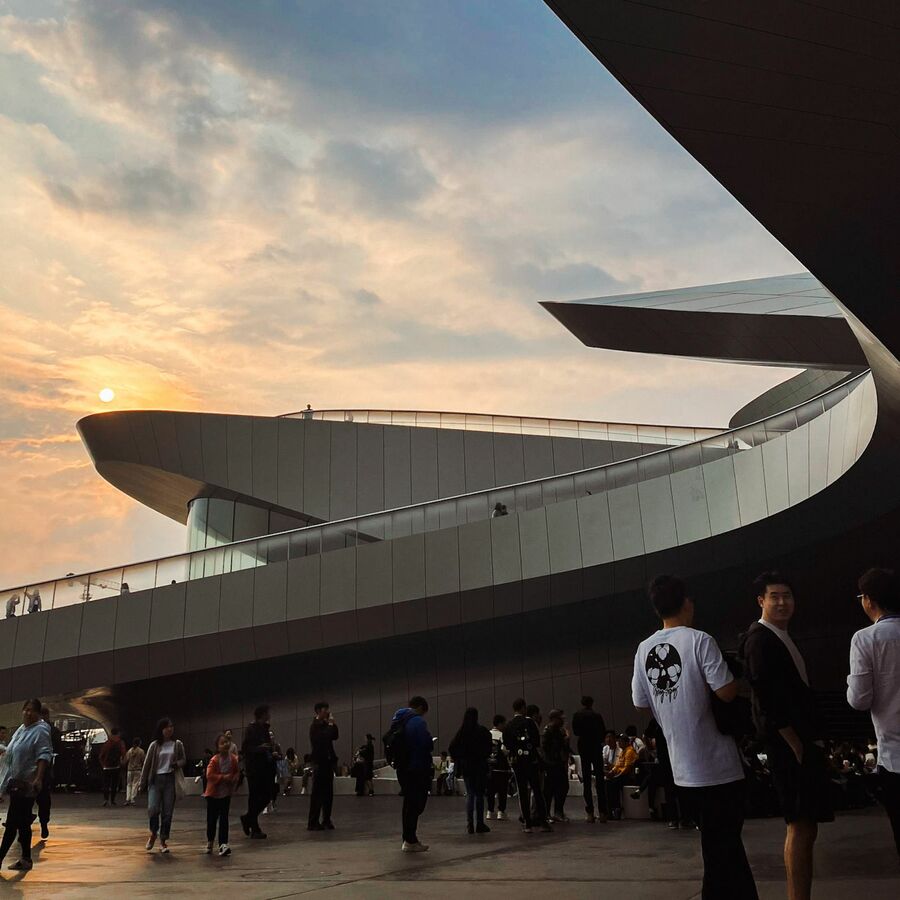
(163, 777)
(470, 750)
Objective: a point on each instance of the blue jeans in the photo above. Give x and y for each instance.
(475, 787)
(161, 802)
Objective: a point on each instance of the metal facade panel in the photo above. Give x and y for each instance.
(625, 518)
(374, 574)
(264, 455)
(409, 568)
(98, 626)
(534, 544)
(343, 470)
(538, 457)
(721, 495)
(370, 468)
(423, 464)
(338, 581)
(290, 464)
(397, 476)
(567, 455)
(270, 593)
(64, 632)
(303, 587)
(657, 514)
(239, 438)
(201, 606)
(236, 600)
(451, 463)
(190, 444)
(479, 452)
(506, 554)
(441, 562)
(691, 507)
(775, 471)
(595, 530)
(475, 569)
(798, 464)
(30, 637)
(317, 469)
(213, 430)
(563, 536)
(509, 458)
(751, 485)
(167, 613)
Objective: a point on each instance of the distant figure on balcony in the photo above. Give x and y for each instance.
(11, 605)
(34, 600)
(499, 510)
(125, 588)
(308, 412)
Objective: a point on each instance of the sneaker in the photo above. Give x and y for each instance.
(635, 795)
(45, 832)
(164, 847)
(481, 828)
(489, 815)
(406, 847)
(501, 816)
(208, 847)
(150, 842)
(224, 850)
(23, 865)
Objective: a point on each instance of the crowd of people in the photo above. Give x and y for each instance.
(708, 757)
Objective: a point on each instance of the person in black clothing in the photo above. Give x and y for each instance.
(786, 717)
(470, 750)
(322, 735)
(44, 795)
(522, 741)
(588, 726)
(259, 766)
(364, 764)
(498, 774)
(556, 753)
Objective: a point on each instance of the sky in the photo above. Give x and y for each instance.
(248, 207)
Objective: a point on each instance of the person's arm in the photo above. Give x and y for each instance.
(213, 775)
(44, 757)
(728, 692)
(145, 768)
(639, 696)
(766, 678)
(860, 681)
(715, 670)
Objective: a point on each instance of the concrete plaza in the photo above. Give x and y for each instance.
(95, 852)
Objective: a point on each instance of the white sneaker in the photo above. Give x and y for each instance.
(489, 815)
(413, 848)
(501, 815)
(224, 850)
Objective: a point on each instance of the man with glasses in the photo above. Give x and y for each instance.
(874, 680)
(784, 709)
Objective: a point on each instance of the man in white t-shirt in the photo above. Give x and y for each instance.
(675, 672)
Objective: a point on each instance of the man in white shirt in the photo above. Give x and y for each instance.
(675, 671)
(874, 679)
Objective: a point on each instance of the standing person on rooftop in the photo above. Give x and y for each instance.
(675, 669)
(163, 778)
(23, 768)
(323, 732)
(787, 719)
(874, 680)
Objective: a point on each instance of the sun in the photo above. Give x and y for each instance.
(107, 395)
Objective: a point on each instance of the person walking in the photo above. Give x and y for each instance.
(675, 669)
(787, 719)
(470, 750)
(522, 741)
(23, 768)
(259, 766)
(323, 732)
(556, 752)
(134, 762)
(44, 797)
(588, 726)
(162, 776)
(408, 747)
(498, 775)
(874, 680)
(222, 776)
(112, 756)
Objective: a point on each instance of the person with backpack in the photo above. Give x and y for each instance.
(522, 741)
(471, 749)
(498, 771)
(112, 755)
(408, 748)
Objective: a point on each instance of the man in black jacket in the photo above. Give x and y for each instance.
(785, 713)
(588, 726)
(522, 741)
(322, 734)
(259, 765)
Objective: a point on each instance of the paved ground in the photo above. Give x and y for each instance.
(94, 852)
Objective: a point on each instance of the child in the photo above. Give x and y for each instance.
(221, 782)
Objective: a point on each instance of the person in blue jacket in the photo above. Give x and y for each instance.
(414, 768)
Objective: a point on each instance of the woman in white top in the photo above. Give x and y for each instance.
(163, 776)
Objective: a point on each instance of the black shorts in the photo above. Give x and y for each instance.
(804, 791)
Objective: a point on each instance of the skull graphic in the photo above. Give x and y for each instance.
(663, 667)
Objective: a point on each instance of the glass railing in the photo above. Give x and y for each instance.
(416, 519)
(667, 435)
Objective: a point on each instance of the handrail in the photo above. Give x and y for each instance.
(526, 495)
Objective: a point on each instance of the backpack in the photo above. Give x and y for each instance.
(736, 718)
(396, 749)
(518, 742)
(114, 756)
(497, 760)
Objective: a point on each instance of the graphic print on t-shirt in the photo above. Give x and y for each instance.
(663, 667)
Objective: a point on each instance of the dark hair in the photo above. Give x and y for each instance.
(882, 588)
(667, 594)
(320, 706)
(610, 732)
(219, 737)
(519, 705)
(261, 711)
(418, 702)
(45, 711)
(532, 710)
(587, 702)
(164, 722)
(136, 742)
(764, 579)
(631, 731)
(290, 753)
(499, 720)
(35, 705)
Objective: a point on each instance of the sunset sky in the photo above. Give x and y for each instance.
(250, 206)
